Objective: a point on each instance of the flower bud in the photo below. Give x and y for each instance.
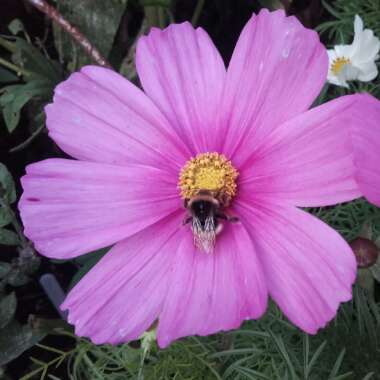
(365, 251)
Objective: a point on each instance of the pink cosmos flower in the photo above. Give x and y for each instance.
(239, 148)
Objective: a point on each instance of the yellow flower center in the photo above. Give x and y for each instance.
(211, 172)
(338, 64)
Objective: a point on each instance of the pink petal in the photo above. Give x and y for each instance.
(308, 266)
(97, 115)
(277, 70)
(123, 294)
(71, 207)
(308, 161)
(183, 73)
(366, 143)
(213, 292)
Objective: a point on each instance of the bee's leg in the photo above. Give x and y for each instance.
(187, 220)
(218, 228)
(221, 216)
(228, 218)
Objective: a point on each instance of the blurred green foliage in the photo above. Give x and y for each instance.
(98, 20)
(348, 218)
(340, 28)
(268, 349)
(33, 85)
(14, 337)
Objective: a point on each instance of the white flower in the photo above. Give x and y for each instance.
(355, 61)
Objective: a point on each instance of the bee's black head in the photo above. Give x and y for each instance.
(203, 209)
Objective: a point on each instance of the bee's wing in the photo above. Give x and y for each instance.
(204, 237)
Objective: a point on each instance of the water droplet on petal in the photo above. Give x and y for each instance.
(121, 332)
(285, 52)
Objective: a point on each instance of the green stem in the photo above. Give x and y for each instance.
(197, 12)
(7, 45)
(152, 16)
(161, 17)
(25, 143)
(92, 366)
(155, 16)
(45, 366)
(74, 33)
(140, 375)
(19, 70)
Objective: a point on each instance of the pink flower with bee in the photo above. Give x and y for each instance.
(196, 182)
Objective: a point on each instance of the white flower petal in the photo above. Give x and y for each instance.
(368, 71)
(358, 27)
(368, 49)
(338, 81)
(344, 50)
(350, 72)
(332, 55)
(360, 57)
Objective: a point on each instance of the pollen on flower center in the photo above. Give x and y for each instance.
(208, 171)
(338, 64)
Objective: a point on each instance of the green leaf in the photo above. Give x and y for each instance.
(156, 3)
(17, 278)
(315, 356)
(16, 96)
(31, 59)
(252, 374)
(94, 256)
(87, 262)
(375, 270)
(98, 20)
(47, 325)
(345, 376)
(271, 4)
(337, 365)
(7, 186)
(16, 26)
(285, 353)
(28, 261)
(8, 237)
(8, 306)
(7, 76)
(11, 118)
(15, 339)
(5, 268)
(30, 139)
(368, 376)
(5, 216)
(331, 10)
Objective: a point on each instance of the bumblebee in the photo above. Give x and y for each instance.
(206, 216)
